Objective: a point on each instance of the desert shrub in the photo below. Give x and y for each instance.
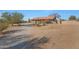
(3, 24)
(72, 18)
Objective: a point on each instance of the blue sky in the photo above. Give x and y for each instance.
(38, 13)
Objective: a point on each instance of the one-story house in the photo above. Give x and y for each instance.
(43, 20)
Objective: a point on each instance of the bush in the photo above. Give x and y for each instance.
(72, 18)
(3, 24)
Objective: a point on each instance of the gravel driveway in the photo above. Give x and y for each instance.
(15, 36)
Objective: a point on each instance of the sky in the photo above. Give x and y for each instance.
(28, 14)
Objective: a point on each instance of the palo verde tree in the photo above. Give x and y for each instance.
(13, 18)
(17, 17)
(3, 24)
(7, 16)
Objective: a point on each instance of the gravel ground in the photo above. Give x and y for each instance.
(54, 36)
(15, 36)
(60, 36)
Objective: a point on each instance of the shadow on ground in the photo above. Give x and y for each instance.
(33, 44)
(11, 31)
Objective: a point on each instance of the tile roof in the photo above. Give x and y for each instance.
(43, 18)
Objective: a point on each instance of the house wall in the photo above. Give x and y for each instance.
(38, 22)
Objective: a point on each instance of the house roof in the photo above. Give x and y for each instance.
(43, 18)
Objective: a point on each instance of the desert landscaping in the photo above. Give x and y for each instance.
(65, 35)
(45, 32)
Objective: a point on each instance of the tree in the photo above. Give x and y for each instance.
(7, 16)
(57, 17)
(72, 18)
(13, 18)
(16, 17)
(3, 24)
(10, 18)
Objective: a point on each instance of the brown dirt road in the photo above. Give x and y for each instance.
(60, 36)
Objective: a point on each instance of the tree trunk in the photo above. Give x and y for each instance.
(56, 22)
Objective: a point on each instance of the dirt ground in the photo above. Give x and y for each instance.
(61, 36)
